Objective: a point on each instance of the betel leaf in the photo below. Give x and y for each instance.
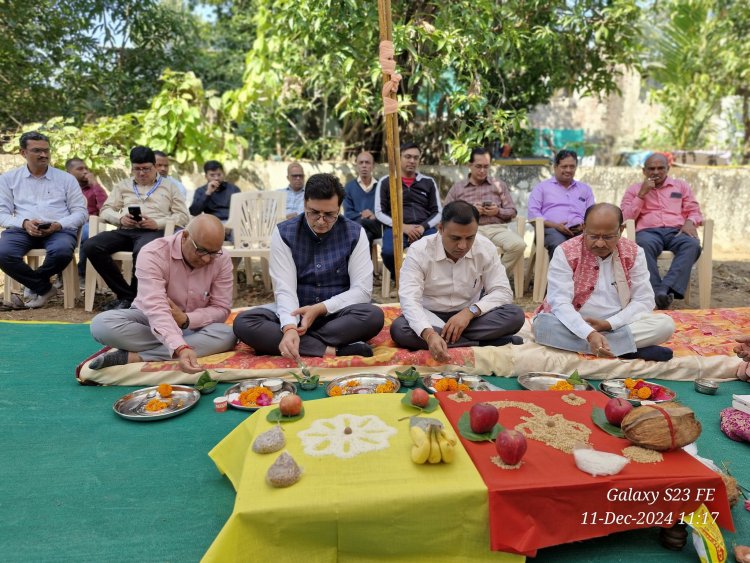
(600, 419)
(432, 404)
(203, 379)
(276, 416)
(410, 374)
(464, 428)
(576, 379)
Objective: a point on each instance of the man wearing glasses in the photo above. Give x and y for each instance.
(40, 207)
(492, 200)
(184, 297)
(599, 298)
(322, 279)
(140, 207)
(295, 191)
(421, 204)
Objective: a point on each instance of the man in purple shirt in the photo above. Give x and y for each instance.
(184, 297)
(561, 201)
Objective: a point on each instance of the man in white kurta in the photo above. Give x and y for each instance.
(599, 298)
(454, 291)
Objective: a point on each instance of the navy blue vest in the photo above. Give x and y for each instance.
(322, 263)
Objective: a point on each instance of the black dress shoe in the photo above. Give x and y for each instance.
(663, 300)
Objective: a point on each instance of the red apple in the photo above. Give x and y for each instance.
(483, 417)
(419, 398)
(616, 409)
(511, 445)
(290, 405)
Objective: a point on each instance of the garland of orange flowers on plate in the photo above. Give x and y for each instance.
(387, 387)
(249, 397)
(561, 386)
(156, 405)
(637, 391)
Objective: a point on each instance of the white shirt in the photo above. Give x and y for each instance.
(283, 272)
(55, 197)
(430, 281)
(604, 302)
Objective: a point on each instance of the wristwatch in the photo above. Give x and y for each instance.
(474, 310)
(186, 324)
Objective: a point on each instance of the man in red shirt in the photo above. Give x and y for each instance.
(95, 198)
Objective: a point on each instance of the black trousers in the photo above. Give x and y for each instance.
(99, 248)
(373, 228)
(503, 321)
(260, 329)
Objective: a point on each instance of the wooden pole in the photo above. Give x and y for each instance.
(392, 147)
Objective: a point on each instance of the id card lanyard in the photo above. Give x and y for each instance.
(148, 193)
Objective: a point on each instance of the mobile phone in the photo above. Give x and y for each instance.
(43, 226)
(486, 204)
(135, 211)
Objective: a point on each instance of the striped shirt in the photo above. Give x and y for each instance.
(494, 191)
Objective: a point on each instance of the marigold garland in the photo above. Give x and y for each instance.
(165, 390)
(335, 391)
(449, 384)
(561, 386)
(249, 397)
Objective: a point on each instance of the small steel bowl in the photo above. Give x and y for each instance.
(705, 386)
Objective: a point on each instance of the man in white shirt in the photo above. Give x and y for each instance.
(454, 290)
(295, 191)
(599, 297)
(322, 278)
(40, 207)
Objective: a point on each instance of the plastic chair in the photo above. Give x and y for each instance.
(538, 262)
(252, 218)
(704, 264)
(96, 226)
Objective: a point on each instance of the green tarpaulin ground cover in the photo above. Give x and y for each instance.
(81, 484)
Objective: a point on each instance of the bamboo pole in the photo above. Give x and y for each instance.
(392, 147)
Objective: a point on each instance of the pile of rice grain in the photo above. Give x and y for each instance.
(573, 399)
(642, 455)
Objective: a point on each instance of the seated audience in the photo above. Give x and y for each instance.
(666, 214)
(162, 166)
(215, 196)
(599, 300)
(295, 191)
(359, 200)
(561, 201)
(322, 278)
(454, 290)
(140, 207)
(496, 210)
(95, 198)
(40, 207)
(184, 297)
(421, 204)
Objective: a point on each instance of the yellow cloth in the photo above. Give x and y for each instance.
(377, 505)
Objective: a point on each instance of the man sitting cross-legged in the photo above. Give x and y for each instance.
(599, 298)
(454, 290)
(184, 297)
(322, 278)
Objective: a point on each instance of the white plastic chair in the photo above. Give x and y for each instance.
(538, 262)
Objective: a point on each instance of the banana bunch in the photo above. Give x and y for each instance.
(431, 443)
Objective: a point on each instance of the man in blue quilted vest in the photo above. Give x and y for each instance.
(322, 277)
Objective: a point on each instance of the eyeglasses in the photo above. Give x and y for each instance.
(144, 170)
(329, 217)
(200, 251)
(38, 151)
(605, 238)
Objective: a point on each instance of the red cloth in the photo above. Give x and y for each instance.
(549, 501)
(95, 197)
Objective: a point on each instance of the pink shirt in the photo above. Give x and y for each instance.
(668, 206)
(205, 294)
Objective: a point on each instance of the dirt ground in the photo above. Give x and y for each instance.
(731, 288)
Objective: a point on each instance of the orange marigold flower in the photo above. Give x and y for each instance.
(352, 383)
(335, 391)
(463, 387)
(644, 393)
(446, 384)
(155, 405)
(629, 382)
(561, 386)
(165, 390)
(387, 387)
(249, 397)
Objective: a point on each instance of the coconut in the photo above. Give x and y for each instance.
(662, 427)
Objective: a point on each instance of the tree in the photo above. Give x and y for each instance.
(471, 69)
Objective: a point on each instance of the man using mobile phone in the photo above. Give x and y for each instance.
(40, 207)
(215, 195)
(491, 198)
(561, 201)
(158, 200)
